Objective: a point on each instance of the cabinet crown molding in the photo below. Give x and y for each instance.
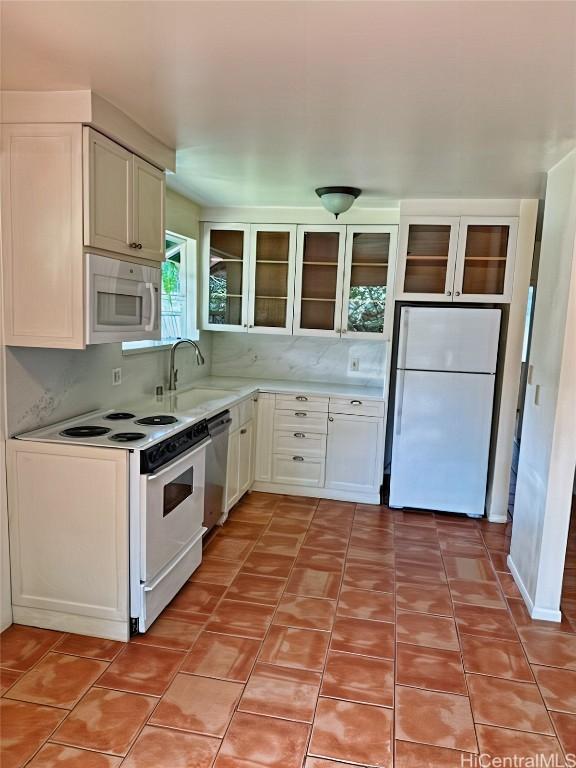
(88, 108)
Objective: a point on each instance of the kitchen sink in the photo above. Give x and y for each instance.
(193, 398)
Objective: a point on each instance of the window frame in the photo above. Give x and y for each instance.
(189, 276)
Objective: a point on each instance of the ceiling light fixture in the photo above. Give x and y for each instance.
(337, 199)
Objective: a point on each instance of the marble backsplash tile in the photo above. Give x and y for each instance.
(44, 386)
(302, 358)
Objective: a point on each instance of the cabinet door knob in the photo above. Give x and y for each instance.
(139, 246)
(448, 293)
(250, 326)
(297, 458)
(243, 431)
(302, 398)
(344, 330)
(299, 434)
(300, 413)
(133, 245)
(330, 418)
(457, 293)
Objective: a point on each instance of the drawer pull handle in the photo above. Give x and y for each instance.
(302, 398)
(297, 458)
(355, 402)
(299, 434)
(300, 413)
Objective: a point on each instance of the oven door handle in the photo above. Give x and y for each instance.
(182, 459)
(150, 326)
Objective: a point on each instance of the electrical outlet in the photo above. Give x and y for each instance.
(116, 376)
(355, 364)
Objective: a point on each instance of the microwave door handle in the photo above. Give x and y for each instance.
(150, 326)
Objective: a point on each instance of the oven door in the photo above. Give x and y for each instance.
(172, 510)
(124, 301)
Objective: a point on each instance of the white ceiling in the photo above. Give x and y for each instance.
(264, 101)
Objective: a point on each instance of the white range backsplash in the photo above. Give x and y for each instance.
(301, 358)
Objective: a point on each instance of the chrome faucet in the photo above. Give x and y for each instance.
(173, 377)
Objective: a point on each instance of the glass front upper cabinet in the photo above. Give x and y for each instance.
(370, 253)
(272, 264)
(225, 276)
(319, 271)
(485, 261)
(426, 258)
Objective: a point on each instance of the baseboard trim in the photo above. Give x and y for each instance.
(538, 614)
(546, 614)
(70, 622)
(316, 493)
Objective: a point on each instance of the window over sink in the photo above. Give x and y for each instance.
(179, 295)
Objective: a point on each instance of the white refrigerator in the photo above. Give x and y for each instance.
(443, 408)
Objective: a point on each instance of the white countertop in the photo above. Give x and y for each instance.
(290, 387)
(232, 390)
(204, 399)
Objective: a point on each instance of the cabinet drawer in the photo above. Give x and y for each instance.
(300, 443)
(301, 421)
(298, 470)
(356, 406)
(241, 413)
(305, 402)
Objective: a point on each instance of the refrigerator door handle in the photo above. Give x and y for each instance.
(403, 338)
(399, 401)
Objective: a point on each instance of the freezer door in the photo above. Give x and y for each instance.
(441, 441)
(449, 339)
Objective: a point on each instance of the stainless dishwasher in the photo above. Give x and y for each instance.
(216, 461)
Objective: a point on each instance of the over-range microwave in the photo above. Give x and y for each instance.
(123, 300)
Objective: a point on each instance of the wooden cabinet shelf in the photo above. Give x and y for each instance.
(308, 298)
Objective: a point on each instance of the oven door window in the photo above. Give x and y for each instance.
(118, 309)
(178, 490)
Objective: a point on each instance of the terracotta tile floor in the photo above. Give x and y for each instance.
(314, 635)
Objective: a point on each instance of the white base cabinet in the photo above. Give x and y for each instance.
(69, 547)
(354, 453)
(240, 466)
(327, 447)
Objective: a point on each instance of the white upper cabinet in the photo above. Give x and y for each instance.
(456, 259)
(319, 278)
(426, 258)
(368, 281)
(107, 194)
(123, 200)
(225, 277)
(67, 188)
(271, 284)
(148, 196)
(485, 260)
(42, 235)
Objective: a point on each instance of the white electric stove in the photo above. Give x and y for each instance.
(166, 493)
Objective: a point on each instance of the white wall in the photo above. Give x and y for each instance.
(301, 358)
(548, 446)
